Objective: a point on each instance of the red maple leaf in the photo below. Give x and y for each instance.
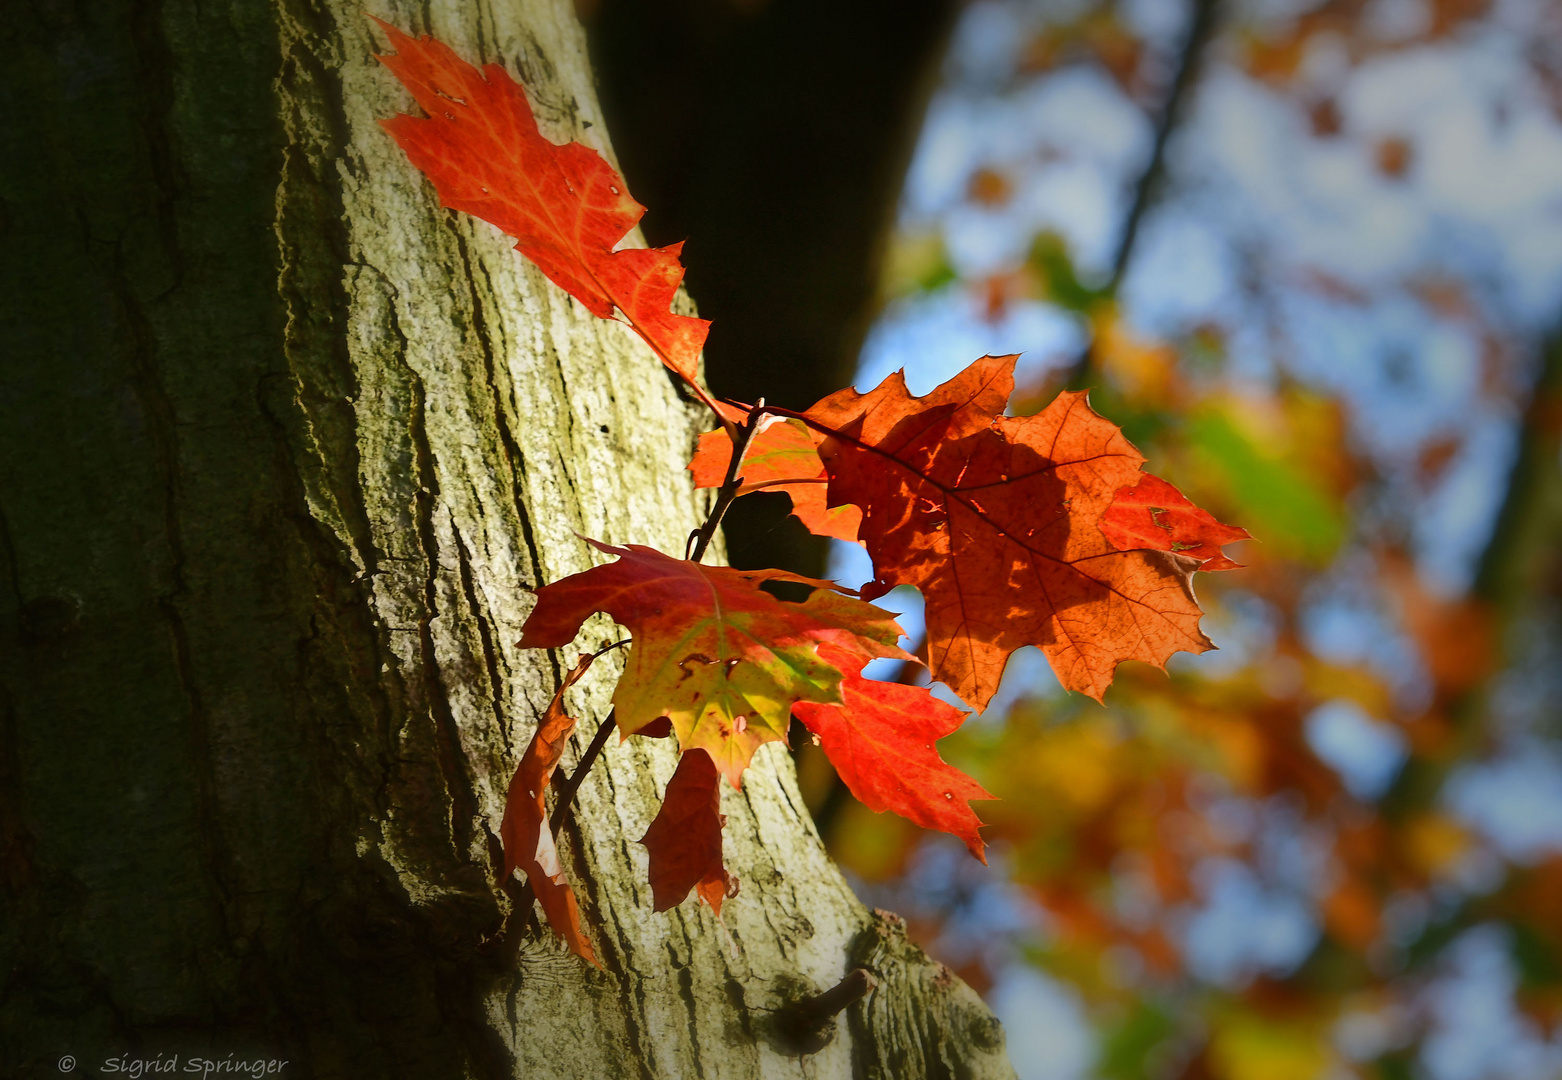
(713, 652)
(565, 206)
(684, 841)
(524, 831)
(729, 664)
(880, 740)
(1153, 514)
(997, 520)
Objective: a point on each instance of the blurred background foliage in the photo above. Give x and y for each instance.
(1309, 256)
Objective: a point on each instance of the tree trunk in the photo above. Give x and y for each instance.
(281, 443)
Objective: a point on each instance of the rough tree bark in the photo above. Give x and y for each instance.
(280, 444)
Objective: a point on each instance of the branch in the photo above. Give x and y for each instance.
(1173, 109)
(1515, 567)
(570, 785)
(1513, 564)
(806, 1025)
(701, 538)
(566, 798)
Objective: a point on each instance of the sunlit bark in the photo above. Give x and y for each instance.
(281, 444)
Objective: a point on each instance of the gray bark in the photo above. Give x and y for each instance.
(281, 442)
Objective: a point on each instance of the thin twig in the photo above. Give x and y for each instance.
(761, 409)
(700, 540)
(566, 797)
(570, 784)
(577, 777)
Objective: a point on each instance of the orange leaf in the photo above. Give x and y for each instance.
(1457, 638)
(880, 740)
(1153, 514)
(782, 456)
(1393, 157)
(724, 660)
(1352, 913)
(684, 841)
(565, 206)
(996, 520)
(989, 187)
(716, 887)
(528, 842)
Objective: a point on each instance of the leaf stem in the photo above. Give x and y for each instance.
(700, 539)
(759, 407)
